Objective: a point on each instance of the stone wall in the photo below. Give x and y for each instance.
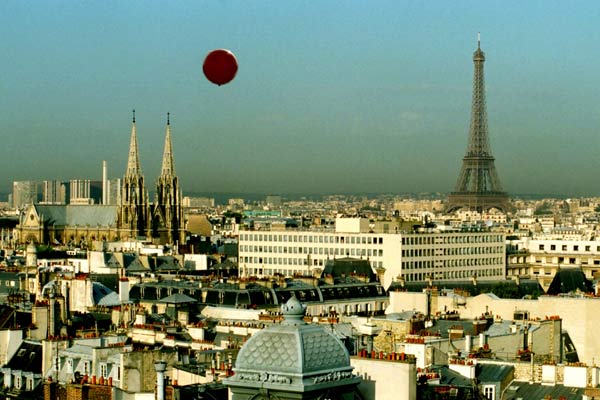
(386, 380)
(138, 373)
(579, 315)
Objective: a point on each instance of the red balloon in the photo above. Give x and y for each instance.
(220, 66)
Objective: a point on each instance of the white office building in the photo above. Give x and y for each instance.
(438, 255)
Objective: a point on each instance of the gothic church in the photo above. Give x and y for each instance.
(135, 217)
(163, 220)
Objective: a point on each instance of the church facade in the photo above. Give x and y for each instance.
(135, 217)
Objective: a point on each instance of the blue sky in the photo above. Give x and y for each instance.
(330, 96)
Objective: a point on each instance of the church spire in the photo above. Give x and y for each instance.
(168, 166)
(133, 162)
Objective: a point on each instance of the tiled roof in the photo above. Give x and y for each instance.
(569, 280)
(178, 298)
(526, 390)
(78, 215)
(347, 266)
(493, 372)
(135, 265)
(103, 296)
(27, 358)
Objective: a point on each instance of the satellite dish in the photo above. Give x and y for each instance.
(220, 66)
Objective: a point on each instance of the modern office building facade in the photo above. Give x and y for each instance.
(437, 255)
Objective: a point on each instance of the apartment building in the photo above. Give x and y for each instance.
(542, 258)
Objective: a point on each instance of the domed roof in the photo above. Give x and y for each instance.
(293, 353)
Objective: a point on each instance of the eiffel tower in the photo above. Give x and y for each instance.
(478, 187)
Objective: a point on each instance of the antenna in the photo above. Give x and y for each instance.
(168, 118)
(478, 39)
(134, 116)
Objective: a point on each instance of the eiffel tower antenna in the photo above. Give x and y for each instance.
(478, 187)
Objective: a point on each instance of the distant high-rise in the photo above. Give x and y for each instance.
(478, 187)
(273, 200)
(113, 187)
(54, 192)
(24, 193)
(85, 191)
(198, 202)
(104, 183)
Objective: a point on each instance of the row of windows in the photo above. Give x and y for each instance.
(29, 382)
(564, 247)
(281, 261)
(292, 261)
(565, 260)
(458, 251)
(267, 271)
(443, 239)
(69, 364)
(461, 274)
(451, 263)
(270, 237)
(311, 250)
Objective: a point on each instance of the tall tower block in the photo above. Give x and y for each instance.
(104, 184)
(478, 187)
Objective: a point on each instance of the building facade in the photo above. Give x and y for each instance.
(85, 191)
(54, 192)
(413, 256)
(542, 258)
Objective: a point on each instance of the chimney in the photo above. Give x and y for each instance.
(380, 271)
(140, 318)
(123, 289)
(482, 340)
(52, 315)
(468, 342)
(160, 367)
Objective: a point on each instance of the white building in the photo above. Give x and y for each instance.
(455, 255)
(578, 315)
(542, 258)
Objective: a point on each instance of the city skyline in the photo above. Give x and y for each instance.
(327, 98)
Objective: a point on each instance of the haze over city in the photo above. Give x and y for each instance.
(330, 96)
